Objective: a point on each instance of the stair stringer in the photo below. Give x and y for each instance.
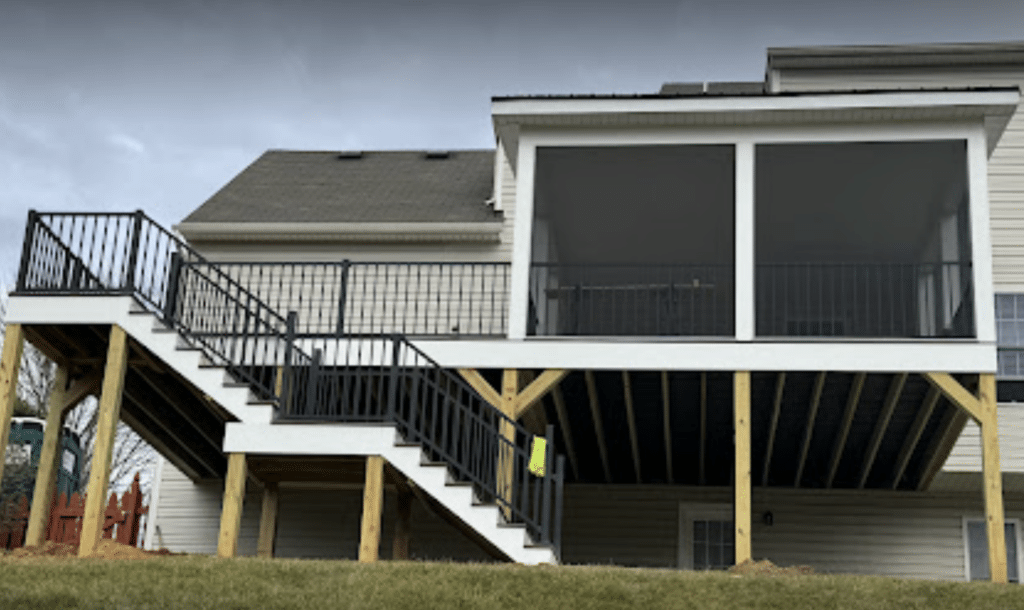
(380, 439)
(143, 327)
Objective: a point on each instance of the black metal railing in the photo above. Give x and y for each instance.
(632, 300)
(412, 299)
(886, 300)
(341, 376)
(374, 378)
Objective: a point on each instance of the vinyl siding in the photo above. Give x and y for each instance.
(892, 534)
(1006, 165)
(312, 523)
(187, 518)
(966, 453)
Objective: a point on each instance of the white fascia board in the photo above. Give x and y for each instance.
(342, 231)
(917, 356)
(829, 101)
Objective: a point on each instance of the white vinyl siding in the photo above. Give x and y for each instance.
(1005, 166)
(915, 535)
(966, 453)
(312, 523)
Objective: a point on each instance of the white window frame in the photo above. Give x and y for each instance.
(967, 555)
(690, 512)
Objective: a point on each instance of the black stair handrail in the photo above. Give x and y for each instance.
(82, 253)
(130, 254)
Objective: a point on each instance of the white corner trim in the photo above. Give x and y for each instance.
(154, 504)
(744, 241)
(360, 232)
(981, 236)
(522, 242)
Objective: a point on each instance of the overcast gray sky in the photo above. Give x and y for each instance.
(119, 105)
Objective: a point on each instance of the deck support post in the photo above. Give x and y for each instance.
(400, 544)
(993, 477)
(10, 365)
(373, 510)
(49, 459)
(103, 447)
(506, 448)
(231, 510)
(741, 424)
(983, 409)
(268, 521)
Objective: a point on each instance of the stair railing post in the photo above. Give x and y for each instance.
(133, 251)
(26, 249)
(343, 296)
(285, 392)
(549, 475)
(556, 518)
(396, 355)
(313, 382)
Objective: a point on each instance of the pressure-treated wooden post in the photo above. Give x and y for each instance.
(268, 521)
(231, 509)
(506, 452)
(373, 510)
(993, 477)
(403, 525)
(741, 424)
(49, 459)
(103, 446)
(10, 364)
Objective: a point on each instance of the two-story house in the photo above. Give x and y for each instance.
(687, 328)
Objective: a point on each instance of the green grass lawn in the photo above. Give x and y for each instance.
(236, 584)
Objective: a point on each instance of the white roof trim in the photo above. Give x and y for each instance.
(353, 232)
(910, 99)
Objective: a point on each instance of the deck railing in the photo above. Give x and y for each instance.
(865, 300)
(632, 300)
(342, 375)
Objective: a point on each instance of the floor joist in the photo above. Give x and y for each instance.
(563, 423)
(888, 408)
(852, 400)
(780, 386)
(595, 413)
(666, 404)
(924, 414)
(627, 391)
(812, 415)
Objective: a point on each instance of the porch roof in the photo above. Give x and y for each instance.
(992, 106)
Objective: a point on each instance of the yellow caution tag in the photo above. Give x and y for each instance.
(538, 451)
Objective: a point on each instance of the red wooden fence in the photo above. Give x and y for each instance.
(65, 522)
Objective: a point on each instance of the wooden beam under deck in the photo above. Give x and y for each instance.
(812, 415)
(742, 503)
(852, 400)
(993, 476)
(595, 413)
(103, 445)
(231, 507)
(924, 414)
(627, 391)
(563, 422)
(373, 510)
(888, 408)
(780, 386)
(10, 365)
(49, 461)
(666, 404)
(268, 521)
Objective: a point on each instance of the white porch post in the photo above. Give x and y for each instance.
(519, 286)
(981, 240)
(744, 241)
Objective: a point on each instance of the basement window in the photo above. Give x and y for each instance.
(706, 537)
(976, 550)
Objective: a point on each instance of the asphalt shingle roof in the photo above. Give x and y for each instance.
(376, 186)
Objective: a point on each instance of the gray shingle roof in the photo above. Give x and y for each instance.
(376, 186)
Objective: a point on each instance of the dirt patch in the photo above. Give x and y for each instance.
(767, 568)
(107, 549)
